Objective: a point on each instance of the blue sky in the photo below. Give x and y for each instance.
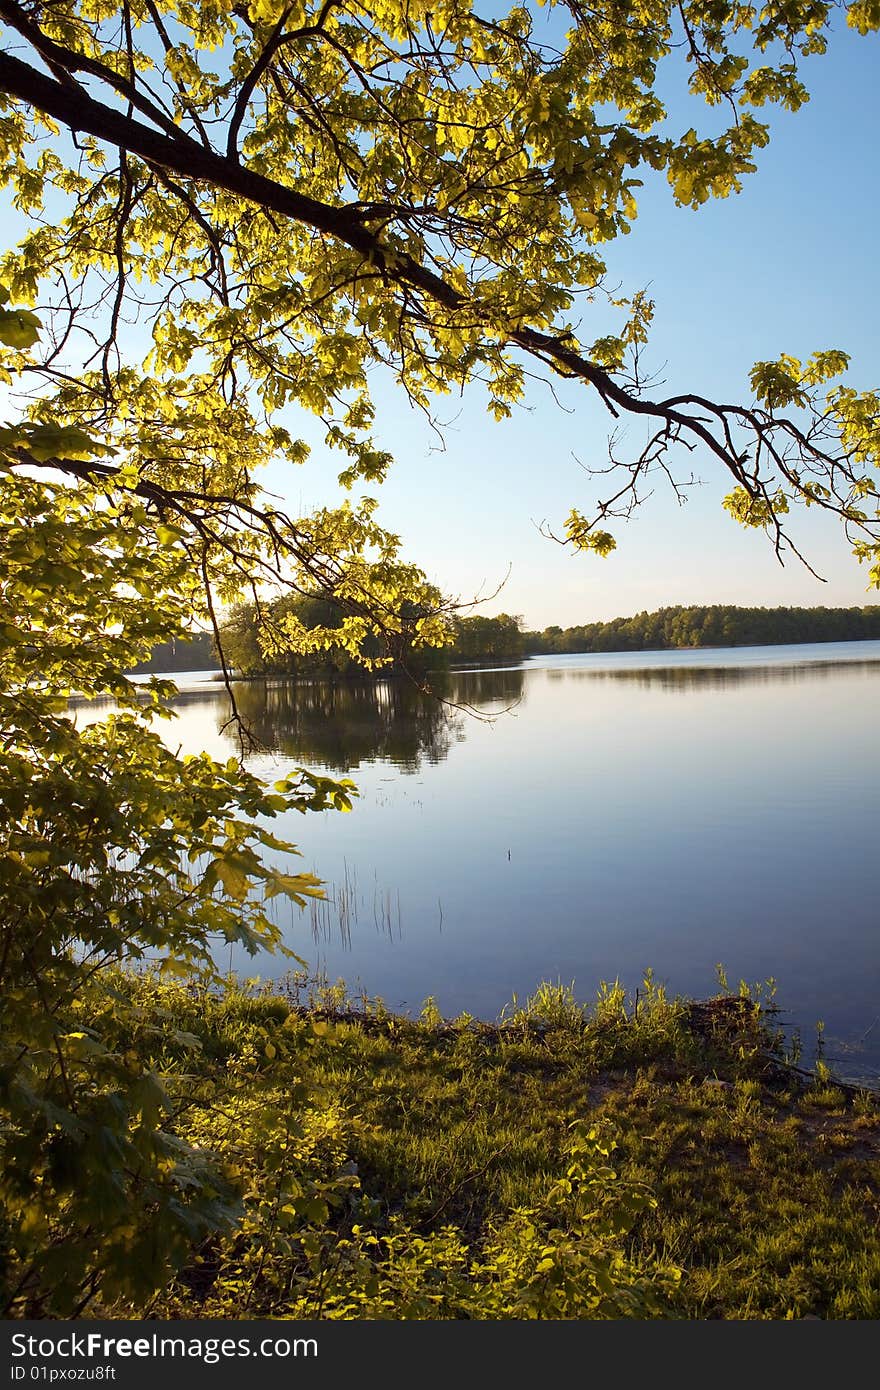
(788, 265)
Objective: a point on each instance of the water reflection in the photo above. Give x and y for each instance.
(343, 725)
(688, 678)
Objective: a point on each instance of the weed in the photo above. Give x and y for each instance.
(394, 1168)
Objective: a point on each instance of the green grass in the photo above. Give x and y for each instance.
(385, 1162)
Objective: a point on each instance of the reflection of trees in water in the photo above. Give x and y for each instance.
(340, 725)
(689, 678)
(490, 691)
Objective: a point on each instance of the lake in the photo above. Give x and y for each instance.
(585, 818)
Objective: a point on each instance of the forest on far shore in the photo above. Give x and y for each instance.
(503, 638)
(715, 625)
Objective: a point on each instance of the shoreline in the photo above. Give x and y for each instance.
(514, 662)
(663, 1155)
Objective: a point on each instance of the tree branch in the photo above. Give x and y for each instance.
(178, 154)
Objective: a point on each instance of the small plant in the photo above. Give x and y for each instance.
(610, 1005)
(794, 1052)
(430, 1015)
(333, 999)
(822, 1077)
(553, 1005)
(377, 1007)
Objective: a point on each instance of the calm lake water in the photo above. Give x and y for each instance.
(598, 816)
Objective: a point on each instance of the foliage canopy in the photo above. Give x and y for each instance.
(255, 641)
(231, 212)
(274, 199)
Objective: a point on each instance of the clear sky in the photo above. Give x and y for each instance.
(789, 265)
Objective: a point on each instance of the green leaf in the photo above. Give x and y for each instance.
(19, 328)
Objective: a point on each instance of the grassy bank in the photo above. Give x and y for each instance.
(646, 1158)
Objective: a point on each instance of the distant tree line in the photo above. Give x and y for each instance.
(502, 638)
(487, 639)
(196, 654)
(718, 625)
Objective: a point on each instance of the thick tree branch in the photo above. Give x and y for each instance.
(177, 154)
(187, 158)
(64, 61)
